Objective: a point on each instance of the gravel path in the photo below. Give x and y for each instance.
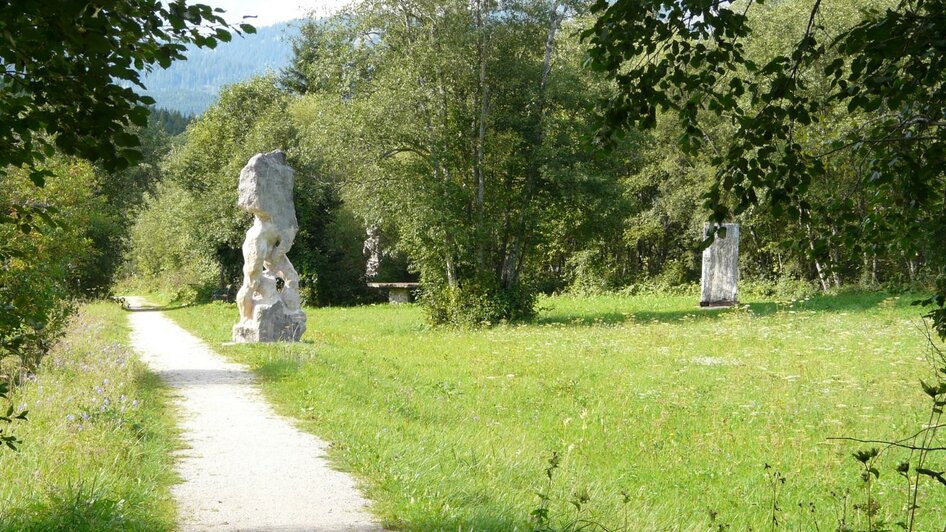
(245, 468)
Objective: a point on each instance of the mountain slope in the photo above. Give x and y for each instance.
(191, 86)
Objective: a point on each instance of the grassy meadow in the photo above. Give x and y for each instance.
(96, 449)
(663, 416)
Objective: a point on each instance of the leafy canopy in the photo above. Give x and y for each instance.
(687, 59)
(70, 68)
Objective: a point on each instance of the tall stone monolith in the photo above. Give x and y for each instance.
(718, 285)
(268, 313)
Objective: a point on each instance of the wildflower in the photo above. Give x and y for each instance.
(85, 415)
(70, 417)
(134, 403)
(99, 390)
(105, 382)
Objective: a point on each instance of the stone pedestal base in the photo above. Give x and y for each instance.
(270, 323)
(397, 296)
(714, 305)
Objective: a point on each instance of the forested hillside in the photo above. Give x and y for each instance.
(191, 86)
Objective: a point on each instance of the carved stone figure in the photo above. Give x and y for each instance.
(721, 269)
(372, 250)
(268, 313)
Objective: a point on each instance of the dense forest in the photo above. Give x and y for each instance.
(191, 86)
(171, 121)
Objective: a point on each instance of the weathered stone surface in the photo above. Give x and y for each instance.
(267, 313)
(271, 323)
(372, 250)
(396, 295)
(718, 286)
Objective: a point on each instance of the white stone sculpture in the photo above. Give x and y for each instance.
(718, 285)
(267, 313)
(372, 249)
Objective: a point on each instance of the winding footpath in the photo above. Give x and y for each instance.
(244, 468)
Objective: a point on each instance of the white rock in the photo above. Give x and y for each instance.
(718, 285)
(268, 314)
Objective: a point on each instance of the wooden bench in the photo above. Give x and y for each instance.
(397, 292)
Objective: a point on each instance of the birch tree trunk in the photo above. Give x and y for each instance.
(821, 275)
(478, 156)
(512, 265)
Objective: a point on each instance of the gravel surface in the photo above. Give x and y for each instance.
(245, 467)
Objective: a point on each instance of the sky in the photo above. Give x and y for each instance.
(269, 12)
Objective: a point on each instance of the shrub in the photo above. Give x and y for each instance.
(783, 288)
(165, 254)
(46, 256)
(478, 303)
(590, 273)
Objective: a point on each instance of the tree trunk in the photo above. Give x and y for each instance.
(435, 113)
(821, 275)
(451, 272)
(512, 265)
(483, 95)
(835, 260)
(865, 268)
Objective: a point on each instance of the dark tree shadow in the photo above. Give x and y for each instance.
(845, 302)
(277, 370)
(205, 377)
(153, 308)
(129, 307)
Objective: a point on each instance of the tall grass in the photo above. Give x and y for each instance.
(95, 452)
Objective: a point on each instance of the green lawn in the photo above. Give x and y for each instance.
(96, 448)
(662, 414)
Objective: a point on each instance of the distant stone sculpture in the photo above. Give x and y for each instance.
(720, 269)
(372, 250)
(268, 313)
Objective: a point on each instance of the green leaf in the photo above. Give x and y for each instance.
(38, 177)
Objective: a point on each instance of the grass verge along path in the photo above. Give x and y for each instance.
(96, 448)
(663, 416)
